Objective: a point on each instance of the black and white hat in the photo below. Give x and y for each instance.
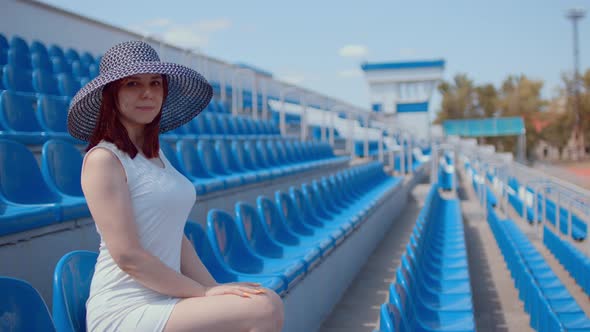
(188, 92)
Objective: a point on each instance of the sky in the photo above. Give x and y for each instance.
(320, 45)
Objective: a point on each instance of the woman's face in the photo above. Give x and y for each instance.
(140, 98)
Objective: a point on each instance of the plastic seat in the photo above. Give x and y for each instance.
(22, 309)
(41, 62)
(245, 161)
(71, 55)
(38, 47)
(17, 79)
(79, 69)
(71, 287)
(61, 166)
(18, 119)
(214, 166)
(55, 51)
(19, 59)
(52, 112)
(44, 82)
(230, 164)
(3, 42)
(218, 268)
(194, 169)
(60, 65)
(234, 250)
(67, 85)
(259, 159)
(87, 59)
(280, 232)
(23, 184)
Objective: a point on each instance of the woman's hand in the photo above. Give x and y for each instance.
(243, 289)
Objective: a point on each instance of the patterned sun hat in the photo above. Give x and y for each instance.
(188, 92)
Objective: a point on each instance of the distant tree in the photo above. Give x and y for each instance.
(459, 99)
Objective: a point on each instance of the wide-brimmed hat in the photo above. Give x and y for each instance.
(188, 92)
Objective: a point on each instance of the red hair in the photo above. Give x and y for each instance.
(109, 127)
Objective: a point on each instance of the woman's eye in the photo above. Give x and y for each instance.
(132, 83)
(156, 83)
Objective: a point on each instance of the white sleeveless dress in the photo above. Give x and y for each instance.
(162, 200)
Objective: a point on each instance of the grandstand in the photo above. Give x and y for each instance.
(356, 227)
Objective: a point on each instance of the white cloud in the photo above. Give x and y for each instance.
(348, 73)
(353, 51)
(292, 78)
(189, 35)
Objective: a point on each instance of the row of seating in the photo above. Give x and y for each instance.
(548, 302)
(31, 197)
(17, 52)
(478, 184)
(33, 119)
(432, 290)
(572, 259)
(446, 172)
(276, 243)
(40, 81)
(579, 227)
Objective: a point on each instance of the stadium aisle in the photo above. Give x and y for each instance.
(358, 310)
(495, 299)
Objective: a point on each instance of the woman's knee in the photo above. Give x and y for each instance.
(271, 307)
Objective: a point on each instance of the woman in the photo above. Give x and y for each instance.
(148, 276)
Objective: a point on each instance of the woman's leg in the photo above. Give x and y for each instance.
(260, 313)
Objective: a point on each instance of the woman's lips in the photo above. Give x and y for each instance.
(145, 108)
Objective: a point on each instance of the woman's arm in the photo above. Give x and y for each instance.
(107, 194)
(192, 267)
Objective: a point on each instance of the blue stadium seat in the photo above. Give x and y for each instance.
(258, 237)
(60, 65)
(38, 47)
(229, 163)
(23, 184)
(214, 167)
(3, 43)
(244, 160)
(71, 287)
(55, 52)
(235, 251)
(67, 85)
(169, 154)
(61, 166)
(17, 79)
(19, 59)
(194, 169)
(22, 309)
(87, 59)
(93, 70)
(339, 229)
(79, 69)
(71, 55)
(18, 120)
(52, 112)
(280, 232)
(221, 272)
(41, 62)
(258, 159)
(18, 44)
(44, 82)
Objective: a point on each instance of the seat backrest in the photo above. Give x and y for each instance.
(61, 166)
(55, 51)
(223, 234)
(60, 65)
(41, 62)
(3, 42)
(72, 55)
(71, 287)
(17, 79)
(67, 84)
(226, 158)
(290, 214)
(17, 111)
(198, 238)
(18, 59)
(269, 214)
(242, 158)
(45, 82)
(255, 231)
(210, 158)
(261, 154)
(87, 59)
(211, 123)
(189, 160)
(79, 69)
(239, 125)
(201, 124)
(22, 308)
(169, 154)
(19, 44)
(20, 179)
